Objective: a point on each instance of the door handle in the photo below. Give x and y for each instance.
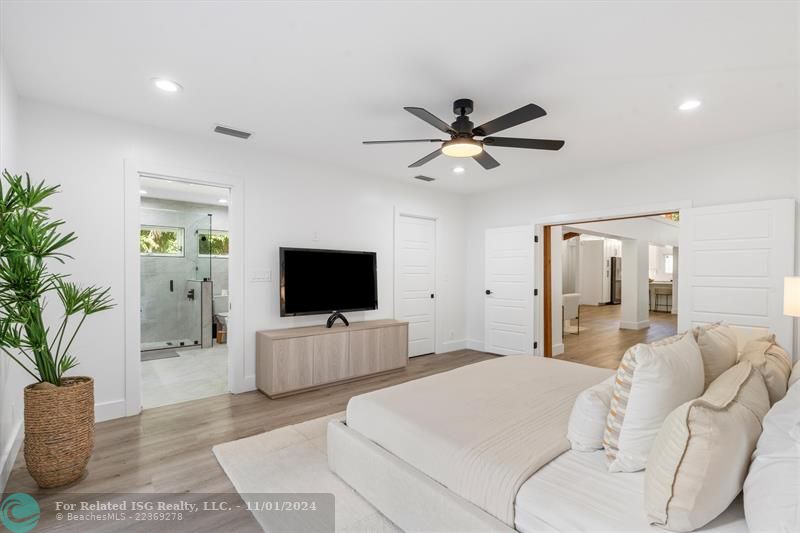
(488, 291)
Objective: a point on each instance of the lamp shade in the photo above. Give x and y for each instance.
(791, 296)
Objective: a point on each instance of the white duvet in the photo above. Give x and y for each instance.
(480, 430)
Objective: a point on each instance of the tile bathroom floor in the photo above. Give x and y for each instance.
(196, 373)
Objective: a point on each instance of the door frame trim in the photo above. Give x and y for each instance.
(543, 319)
(132, 172)
(410, 213)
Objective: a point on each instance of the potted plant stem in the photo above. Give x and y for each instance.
(59, 410)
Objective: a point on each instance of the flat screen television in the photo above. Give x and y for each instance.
(317, 282)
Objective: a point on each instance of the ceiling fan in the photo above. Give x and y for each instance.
(462, 133)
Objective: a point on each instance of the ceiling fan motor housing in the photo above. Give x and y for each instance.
(462, 106)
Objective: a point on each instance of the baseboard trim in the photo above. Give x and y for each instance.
(558, 349)
(634, 325)
(109, 410)
(451, 346)
(476, 345)
(9, 456)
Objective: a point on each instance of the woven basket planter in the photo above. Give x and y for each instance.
(59, 431)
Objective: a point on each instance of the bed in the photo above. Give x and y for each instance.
(576, 492)
(484, 448)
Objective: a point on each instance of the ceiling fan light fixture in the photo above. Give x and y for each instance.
(462, 148)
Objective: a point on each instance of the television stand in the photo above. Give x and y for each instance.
(300, 359)
(336, 315)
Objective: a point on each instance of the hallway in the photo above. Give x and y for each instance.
(601, 342)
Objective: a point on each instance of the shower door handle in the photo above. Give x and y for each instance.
(172, 285)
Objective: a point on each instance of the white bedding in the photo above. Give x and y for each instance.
(479, 430)
(576, 492)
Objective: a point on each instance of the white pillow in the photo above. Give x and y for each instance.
(772, 488)
(719, 347)
(795, 377)
(587, 422)
(699, 461)
(652, 380)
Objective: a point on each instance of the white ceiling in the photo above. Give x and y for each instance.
(314, 79)
(183, 192)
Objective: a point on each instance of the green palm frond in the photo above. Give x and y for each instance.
(28, 239)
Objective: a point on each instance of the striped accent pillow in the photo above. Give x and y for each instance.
(619, 403)
(652, 379)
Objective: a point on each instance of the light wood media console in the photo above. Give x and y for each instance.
(297, 359)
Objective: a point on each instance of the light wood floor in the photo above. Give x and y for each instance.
(602, 343)
(168, 449)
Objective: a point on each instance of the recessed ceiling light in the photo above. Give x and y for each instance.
(689, 105)
(142, 191)
(223, 201)
(458, 170)
(168, 86)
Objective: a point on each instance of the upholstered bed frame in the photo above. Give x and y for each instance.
(406, 496)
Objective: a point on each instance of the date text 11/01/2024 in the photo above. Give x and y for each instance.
(183, 506)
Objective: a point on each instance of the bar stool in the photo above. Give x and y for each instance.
(663, 298)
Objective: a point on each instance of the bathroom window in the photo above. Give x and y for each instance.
(161, 241)
(668, 259)
(212, 243)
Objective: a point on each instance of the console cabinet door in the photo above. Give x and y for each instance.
(365, 352)
(330, 357)
(292, 363)
(393, 347)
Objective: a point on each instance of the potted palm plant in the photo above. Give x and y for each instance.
(59, 410)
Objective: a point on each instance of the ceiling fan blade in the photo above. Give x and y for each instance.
(430, 156)
(523, 114)
(430, 118)
(514, 142)
(488, 162)
(405, 141)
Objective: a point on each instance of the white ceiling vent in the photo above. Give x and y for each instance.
(424, 178)
(232, 132)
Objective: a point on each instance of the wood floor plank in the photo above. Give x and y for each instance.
(601, 342)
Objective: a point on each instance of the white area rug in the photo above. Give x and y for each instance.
(294, 459)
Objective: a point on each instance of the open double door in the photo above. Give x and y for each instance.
(733, 259)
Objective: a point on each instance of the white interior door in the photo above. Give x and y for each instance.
(416, 281)
(733, 259)
(509, 290)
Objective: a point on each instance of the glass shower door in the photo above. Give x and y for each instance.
(168, 302)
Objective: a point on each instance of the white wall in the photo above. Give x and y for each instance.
(12, 378)
(288, 202)
(751, 169)
(592, 271)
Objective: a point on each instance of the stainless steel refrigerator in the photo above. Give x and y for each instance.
(616, 280)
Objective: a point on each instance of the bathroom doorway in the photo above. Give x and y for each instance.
(184, 248)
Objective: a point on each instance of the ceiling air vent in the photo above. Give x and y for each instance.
(424, 178)
(232, 132)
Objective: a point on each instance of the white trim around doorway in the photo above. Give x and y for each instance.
(133, 171)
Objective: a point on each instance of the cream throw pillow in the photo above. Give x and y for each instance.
(700, 459)
(652, 380)
(772, 361)
(719, 348)
(587, 421)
